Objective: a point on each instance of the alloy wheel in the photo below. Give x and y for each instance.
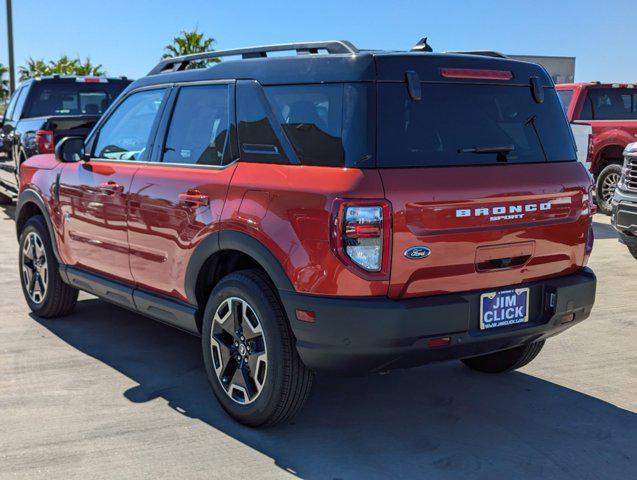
(608, 186)
(238, 348)
(35, 270)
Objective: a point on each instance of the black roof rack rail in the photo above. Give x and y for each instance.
(180, 63)
(484, 53)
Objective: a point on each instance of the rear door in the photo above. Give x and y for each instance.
(178, 199)
(483, 175)
(94, 194)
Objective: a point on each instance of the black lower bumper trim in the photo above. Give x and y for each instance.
(357, 335)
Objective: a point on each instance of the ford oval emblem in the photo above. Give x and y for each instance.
(416, 253)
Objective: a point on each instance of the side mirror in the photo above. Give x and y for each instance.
(70, 149)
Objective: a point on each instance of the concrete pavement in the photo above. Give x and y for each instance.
(106, 393)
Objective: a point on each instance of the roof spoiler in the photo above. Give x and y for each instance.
(484, 53)
(306, 48)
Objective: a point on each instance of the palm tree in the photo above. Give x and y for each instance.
(87, 68)
(191, 42)
(33, 68)
(4, 83)
(62, 66)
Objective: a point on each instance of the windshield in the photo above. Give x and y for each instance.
(469, 124)
(72, 98)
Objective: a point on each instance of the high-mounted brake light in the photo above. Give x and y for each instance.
(45, 141)
(91, 80)
(476, 73)
(361, 236)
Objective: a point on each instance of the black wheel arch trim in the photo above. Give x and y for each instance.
(31, 196)
(239, 241)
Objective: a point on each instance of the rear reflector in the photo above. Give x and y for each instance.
(438, 342)
(475, 73)
(569, 317)
(306, 315)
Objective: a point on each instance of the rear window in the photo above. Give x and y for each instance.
(71, 98)
(610, 104)
(566, 96)
(457, 124)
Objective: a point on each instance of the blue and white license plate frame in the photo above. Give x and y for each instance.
(504, 308)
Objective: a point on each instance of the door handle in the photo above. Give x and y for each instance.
(110, 188)
(193, 199)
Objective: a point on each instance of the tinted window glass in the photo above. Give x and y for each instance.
(125, 134)
(19, 104)
(257, 140)
(613, 103)
(198, 131)
(453, 124)
(312, 118)
(11, 106)
(72, 98)
(587, 110)
(565, 97)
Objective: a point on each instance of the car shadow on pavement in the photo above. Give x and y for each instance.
(9, 211)
(439, 421)
(603, 231)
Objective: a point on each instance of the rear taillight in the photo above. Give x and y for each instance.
(44, 141)
(361, 236)
(589, 156)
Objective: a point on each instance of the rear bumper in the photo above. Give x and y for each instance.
(624, 216)
(351, 336)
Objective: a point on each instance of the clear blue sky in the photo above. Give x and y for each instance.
(127, 37)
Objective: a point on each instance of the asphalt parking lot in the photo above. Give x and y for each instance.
(105, 393)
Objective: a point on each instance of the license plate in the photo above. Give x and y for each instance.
(506, 307)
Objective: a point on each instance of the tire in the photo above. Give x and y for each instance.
(633, 250)
(505, 360)
(253, 393)
(45, 292)
(605, 186)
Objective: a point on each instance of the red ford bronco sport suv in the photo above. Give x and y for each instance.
(611, 111)
(337, 210)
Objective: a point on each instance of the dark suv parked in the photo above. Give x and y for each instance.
(41, 111)
(337, 210)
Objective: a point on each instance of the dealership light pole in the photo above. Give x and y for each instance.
(10, 45)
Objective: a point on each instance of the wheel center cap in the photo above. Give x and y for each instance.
(242, 349)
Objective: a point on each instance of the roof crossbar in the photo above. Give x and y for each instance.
(306, 48)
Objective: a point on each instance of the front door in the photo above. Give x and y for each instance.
(177, 200)
(94, 195)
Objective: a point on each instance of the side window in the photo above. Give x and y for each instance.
(257, 140)
(312, 118)
(125, 134)
(11, 106)
(587, 109)
(17, 109)
(566, 96)
(198, 131)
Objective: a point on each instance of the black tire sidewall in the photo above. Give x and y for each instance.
(242, 286)
(605, 207)
(36, 224)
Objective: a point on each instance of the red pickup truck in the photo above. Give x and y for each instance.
(611, 111)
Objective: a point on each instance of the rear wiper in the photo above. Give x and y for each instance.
(502, 151)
